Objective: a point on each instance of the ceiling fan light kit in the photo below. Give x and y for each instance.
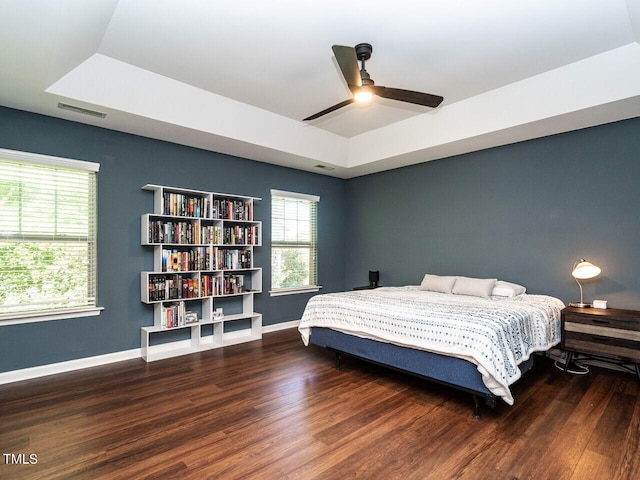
(363, 95)
(363, 87)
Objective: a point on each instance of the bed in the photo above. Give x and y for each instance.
(481, 343)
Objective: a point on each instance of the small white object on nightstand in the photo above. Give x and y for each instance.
(599, 304)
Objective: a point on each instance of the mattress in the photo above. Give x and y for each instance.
(496, 334)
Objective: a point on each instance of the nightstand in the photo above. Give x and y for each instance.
(610, 333)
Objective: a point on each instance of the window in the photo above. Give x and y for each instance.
(293, 242)
(47, 236)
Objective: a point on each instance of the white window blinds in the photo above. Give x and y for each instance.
(47, 234)
(293, 241)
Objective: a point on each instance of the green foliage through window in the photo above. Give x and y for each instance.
(47, 236)
(293, 240)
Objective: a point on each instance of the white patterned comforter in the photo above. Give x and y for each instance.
(496, 334)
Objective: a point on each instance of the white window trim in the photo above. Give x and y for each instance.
(294, 290)
(48, 160)
(43, 316)
(303, 196)
(307, 288)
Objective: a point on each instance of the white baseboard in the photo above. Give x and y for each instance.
(280, 326)
(87, 362)
(61, 367)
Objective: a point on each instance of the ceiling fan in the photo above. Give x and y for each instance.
(363, 87)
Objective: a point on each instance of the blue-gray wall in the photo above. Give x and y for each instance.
(523, 212)
(127, 162)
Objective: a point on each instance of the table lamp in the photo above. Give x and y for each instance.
(583, 270)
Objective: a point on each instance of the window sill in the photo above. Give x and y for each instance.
(31, 317)
(294, 290)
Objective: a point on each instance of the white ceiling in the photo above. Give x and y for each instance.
(238, 77)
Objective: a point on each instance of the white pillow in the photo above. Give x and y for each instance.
(437, 283)
(507, 289)
(476, 287)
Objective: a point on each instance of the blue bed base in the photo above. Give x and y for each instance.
(450, 371)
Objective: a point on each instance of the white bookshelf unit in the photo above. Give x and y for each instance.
(203, 246)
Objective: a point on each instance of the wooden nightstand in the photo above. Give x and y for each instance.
(609, 333)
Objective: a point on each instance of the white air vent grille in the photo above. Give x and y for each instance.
(84, 111)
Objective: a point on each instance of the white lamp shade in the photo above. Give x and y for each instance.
(584, 269)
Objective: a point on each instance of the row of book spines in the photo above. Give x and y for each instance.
(233, 259)
(235, 235)
(215, 286)
(188, 233)
(174, 232)
(232, 210)
(182, 205)
(173, 287)
(240, 235)
(173, 316)
(177, 287)
(198, 258)
(233, 284)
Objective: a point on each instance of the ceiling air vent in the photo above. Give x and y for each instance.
(84, 111)
(324, 167)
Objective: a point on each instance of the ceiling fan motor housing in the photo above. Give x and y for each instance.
(363, 51)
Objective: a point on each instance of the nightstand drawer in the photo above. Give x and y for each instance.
(610, 333)
(602, 330)
(603, 322)
(623, 349)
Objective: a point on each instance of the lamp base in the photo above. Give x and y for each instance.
(580, 305)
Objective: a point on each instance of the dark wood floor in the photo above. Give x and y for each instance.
(273, 409)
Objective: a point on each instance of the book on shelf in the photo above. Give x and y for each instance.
(227, 209)
(157, 288)
(181, 205)
(161, 231)
(211, 285)
(172, 287)
(241, 235)
(211, 234)
(233, 284)
(233, 259)
(173, 315)
(198, 258)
